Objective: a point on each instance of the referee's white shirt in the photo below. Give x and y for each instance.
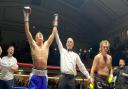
(69, 60)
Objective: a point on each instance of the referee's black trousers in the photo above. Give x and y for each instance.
(66, 81)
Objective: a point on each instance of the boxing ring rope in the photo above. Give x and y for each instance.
(20, 73)
(30, 65)
(48, 67)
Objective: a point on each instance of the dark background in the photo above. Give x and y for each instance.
(87, 21)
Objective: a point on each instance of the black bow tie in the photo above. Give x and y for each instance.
(69, 50)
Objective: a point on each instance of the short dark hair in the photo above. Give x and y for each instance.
(122, 59)
(10, 46)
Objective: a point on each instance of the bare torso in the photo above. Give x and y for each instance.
(39, 48)
(40, 56)
(104, 65)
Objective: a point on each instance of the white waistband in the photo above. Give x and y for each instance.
(39, 72)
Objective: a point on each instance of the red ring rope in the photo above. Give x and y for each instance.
(49, 67)
(31, 65)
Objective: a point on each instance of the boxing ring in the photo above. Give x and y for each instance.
(22, 75)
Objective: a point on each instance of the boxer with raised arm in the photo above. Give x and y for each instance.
(39, 51)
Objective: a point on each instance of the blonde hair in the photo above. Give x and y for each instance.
(104, 42)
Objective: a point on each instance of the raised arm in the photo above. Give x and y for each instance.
(51, 37)
(82, 67)
(60, 46)
(27, 31)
